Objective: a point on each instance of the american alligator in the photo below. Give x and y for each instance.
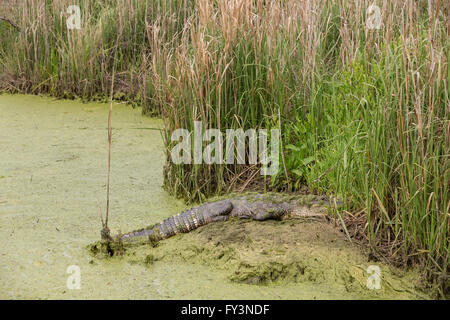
(258, 207)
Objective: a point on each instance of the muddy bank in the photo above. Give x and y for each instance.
(52, 182)
(307, 253)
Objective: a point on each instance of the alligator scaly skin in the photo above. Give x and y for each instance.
(186, 221)
(259, 208)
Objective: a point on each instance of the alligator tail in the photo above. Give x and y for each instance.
(185, 221)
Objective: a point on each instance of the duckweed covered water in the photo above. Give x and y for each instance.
(52, 190)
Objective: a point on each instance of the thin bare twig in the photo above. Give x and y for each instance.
(12, 24)
(109, 147)
(326, 172)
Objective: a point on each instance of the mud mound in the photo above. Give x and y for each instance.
(279, 252)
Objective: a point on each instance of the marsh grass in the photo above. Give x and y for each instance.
(46, 57)
(364, 113)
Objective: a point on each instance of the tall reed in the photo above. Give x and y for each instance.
(47, 57)
(365, 112)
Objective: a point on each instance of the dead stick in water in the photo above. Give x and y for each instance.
(105, 231)
(109, 148)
